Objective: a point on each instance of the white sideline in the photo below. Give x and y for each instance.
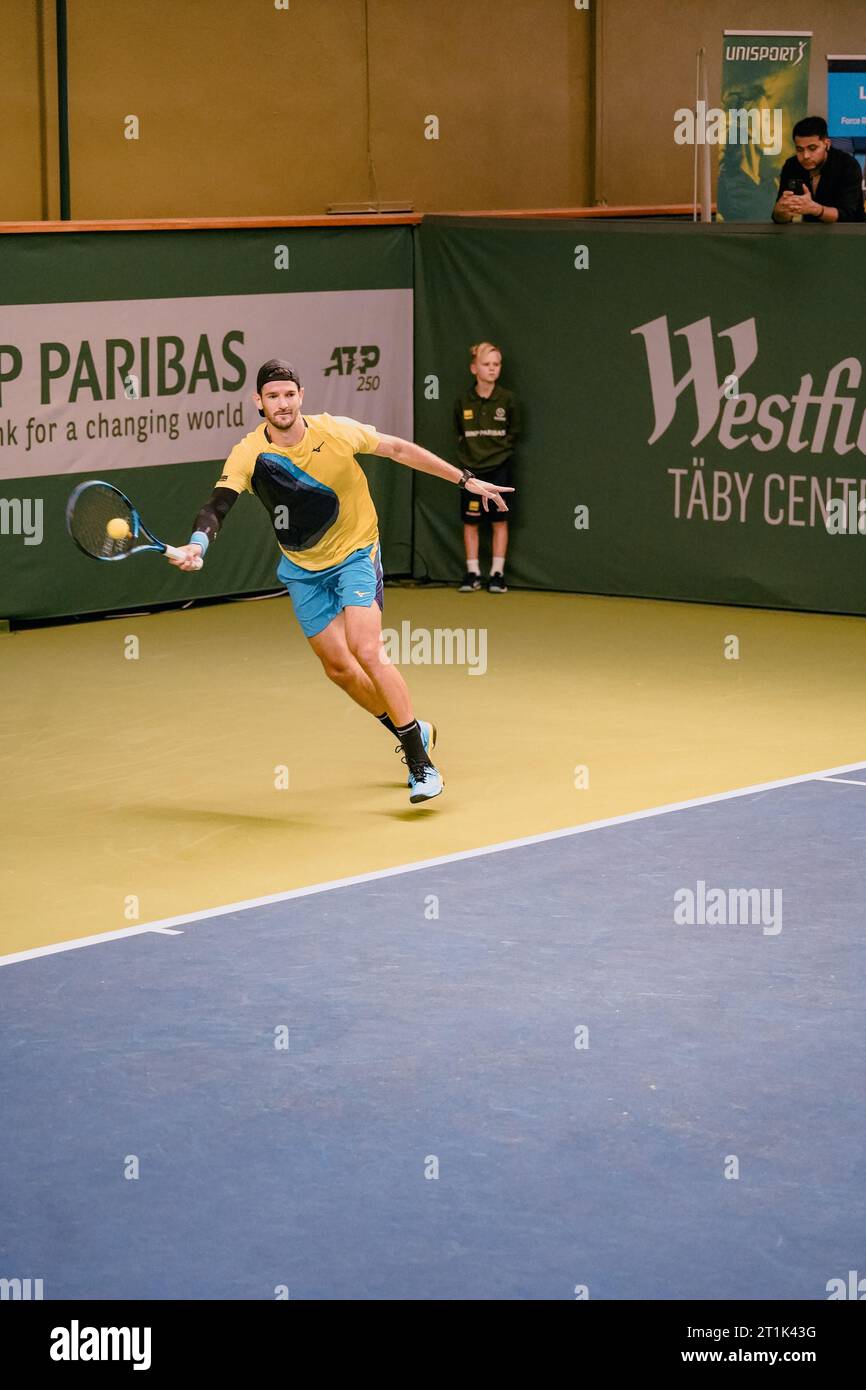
(165, 924)
(848, 781)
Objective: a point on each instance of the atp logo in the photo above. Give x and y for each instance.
(346, 360)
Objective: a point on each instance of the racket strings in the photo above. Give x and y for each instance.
(94, 508)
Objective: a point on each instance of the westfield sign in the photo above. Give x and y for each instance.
(815, 419)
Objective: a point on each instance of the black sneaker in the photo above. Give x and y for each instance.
(470, 582)
(496, 584)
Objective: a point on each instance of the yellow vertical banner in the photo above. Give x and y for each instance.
(765, 91)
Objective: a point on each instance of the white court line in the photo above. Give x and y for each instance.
(848, 781)
(166, 923)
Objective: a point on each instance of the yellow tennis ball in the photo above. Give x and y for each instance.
(117, 528)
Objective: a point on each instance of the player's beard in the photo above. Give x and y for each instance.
(282, 423)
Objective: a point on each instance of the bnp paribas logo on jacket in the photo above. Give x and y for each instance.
(818, 417)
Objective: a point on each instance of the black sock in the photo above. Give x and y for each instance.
(388, 722)
(413, 746)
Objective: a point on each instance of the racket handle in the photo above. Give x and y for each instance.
(176, 554)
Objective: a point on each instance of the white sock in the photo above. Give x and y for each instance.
(473, 567)
(497, 564)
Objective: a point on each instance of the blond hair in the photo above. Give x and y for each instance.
(481, 349)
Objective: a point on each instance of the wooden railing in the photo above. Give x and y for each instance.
(410, 219)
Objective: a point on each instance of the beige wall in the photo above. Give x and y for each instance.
(647, 71)
(509, 81)
(249, 110)
(28, 109)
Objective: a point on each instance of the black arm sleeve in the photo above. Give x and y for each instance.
(215, 511)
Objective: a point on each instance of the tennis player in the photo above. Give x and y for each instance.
(303, 469)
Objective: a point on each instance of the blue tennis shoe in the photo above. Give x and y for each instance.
(425, 782)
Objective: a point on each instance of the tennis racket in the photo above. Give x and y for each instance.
(105, 525)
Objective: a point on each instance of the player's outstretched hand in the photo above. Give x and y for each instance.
(488, 492)
(189, 557)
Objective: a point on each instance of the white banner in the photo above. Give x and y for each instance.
(85, 388)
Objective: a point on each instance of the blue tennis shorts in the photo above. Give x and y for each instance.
(319, 595)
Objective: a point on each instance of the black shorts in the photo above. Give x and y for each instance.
(472, 506)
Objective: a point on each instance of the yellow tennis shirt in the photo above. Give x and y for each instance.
(315, 491)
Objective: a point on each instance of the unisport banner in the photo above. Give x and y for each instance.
(765, 90)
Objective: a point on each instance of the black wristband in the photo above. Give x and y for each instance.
(465, 475)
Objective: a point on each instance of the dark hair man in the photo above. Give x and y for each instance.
(819, 183)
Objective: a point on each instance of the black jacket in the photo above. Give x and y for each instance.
(840, 186)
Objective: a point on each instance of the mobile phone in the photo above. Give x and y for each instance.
(797, 187)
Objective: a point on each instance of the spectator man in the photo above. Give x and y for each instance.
(819, 183)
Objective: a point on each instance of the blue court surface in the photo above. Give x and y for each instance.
(704, 1137)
